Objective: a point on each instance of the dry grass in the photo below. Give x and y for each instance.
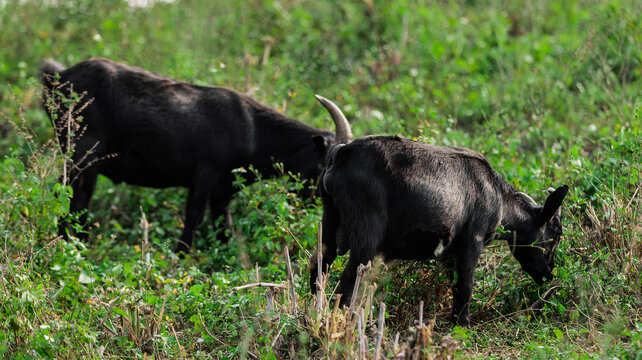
(359, 331)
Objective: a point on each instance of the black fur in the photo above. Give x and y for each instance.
(410, 200)
(167, 133)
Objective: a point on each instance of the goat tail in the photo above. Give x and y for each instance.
(49, 68)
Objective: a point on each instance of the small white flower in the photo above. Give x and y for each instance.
(592, 128)
(97, 37)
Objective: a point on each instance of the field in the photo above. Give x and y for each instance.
(549, 91)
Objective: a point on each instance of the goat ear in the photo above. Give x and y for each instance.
(553, 202)
(321, 144)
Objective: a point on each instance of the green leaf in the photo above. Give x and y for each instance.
(121, 312)
(196, 289)
(558, 333)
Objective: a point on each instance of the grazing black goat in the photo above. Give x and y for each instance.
(409, 200)
(145, 129)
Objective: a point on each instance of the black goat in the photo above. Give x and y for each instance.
(410, 200)
(145, 129)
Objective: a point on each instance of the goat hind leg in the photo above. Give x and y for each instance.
(83, 184)
(330, 226)
(196, 203)
(365, 240)
(329, 253)
(218, 202)
(349, 275)
(463, 289)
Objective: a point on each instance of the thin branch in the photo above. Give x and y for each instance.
(259, 284)
(540, 301)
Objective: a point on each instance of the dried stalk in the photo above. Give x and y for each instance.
(361, 341)
(320, 270)
(360, 271)
(395, 344)
(333, 321)
(256, 268)
(380, 329)
(369, 305)
(145, 246)
(539, 302)
(291, 279)
(270, 298)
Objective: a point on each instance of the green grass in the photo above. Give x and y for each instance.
(548, 91)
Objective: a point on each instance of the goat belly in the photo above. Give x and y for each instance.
(417, 244)
(142, 172)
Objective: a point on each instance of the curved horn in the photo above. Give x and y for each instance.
(344, 133)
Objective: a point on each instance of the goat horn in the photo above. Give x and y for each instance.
(344, 133)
